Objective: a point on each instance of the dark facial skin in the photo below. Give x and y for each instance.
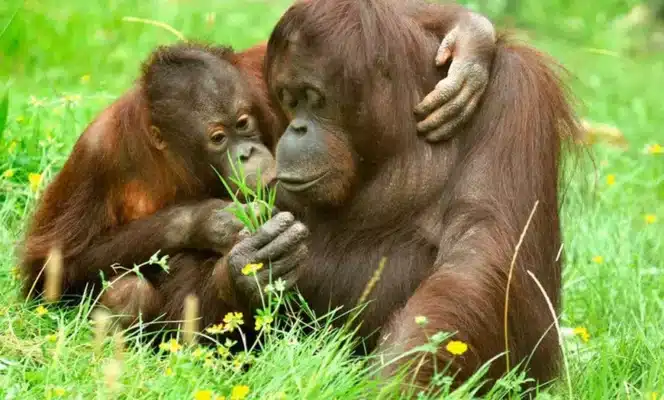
(315, 161)
(306, 152)
(256, 160)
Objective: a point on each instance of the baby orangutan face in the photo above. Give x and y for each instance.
(206, 110)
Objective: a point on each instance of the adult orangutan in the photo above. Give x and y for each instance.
(148, 181)
(446, 216)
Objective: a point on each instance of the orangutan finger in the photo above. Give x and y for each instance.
(447, 46)
(443, 92)
(450, 128)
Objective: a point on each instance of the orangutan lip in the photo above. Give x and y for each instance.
(298, 185)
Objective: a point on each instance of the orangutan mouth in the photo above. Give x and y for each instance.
(297, 184)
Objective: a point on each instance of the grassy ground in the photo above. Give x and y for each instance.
(62, 62)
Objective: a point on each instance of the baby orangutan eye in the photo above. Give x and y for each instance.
(217, 137)
(288, 100)
(314, 98)
(245, 123)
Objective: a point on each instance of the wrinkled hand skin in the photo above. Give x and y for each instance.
(454, 99)
(214, 227)
(280, 244)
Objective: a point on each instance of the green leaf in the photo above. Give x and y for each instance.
(4, 110)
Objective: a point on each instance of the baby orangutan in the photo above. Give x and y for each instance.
(143, 178)
(209, 95)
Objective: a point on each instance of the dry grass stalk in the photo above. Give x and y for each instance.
(509, 281)
(118, 341)
(100, 319)
(53, 275)
(372, 282)
(190, 328)
(112, 372)
(595, 133)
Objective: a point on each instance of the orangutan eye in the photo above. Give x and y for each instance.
(288, 100)
(218, 137)
(245, 123)
(314, 99)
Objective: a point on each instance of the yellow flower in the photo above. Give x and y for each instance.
(58, 391)
(35, 180)
(223, 351)
(203, 395)
(654, 396)
(8, 173)
(201, 353)
(172, 345)
(598, 259)
(233, 320)
(72, 98)
(208, 362)
(215, 329)
(456, 347)
(20, 119)
(582, 333)
(239, 392)
(655, 149)
(198, 353)
(85, 79)
(263, 321)
(421, 320)
(168, 371)
(12, 147)
(610, 179)
(650, 218)
(251, 268)
(41, 311)
(52, 338)
(237, 364)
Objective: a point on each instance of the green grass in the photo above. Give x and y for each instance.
(62, 62)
